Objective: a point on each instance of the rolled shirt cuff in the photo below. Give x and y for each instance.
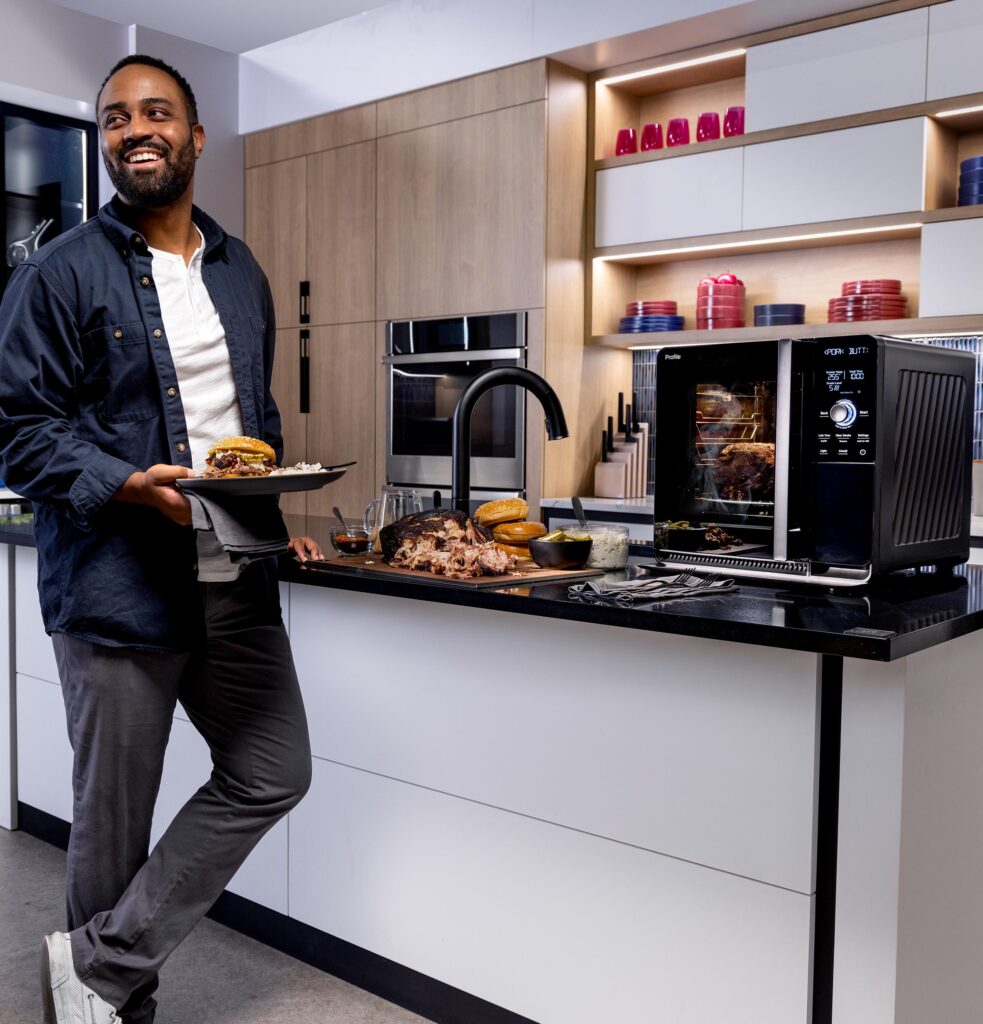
(96, 484)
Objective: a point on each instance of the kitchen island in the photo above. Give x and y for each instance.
(761, 806)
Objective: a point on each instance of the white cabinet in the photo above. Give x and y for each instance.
(8, 724)
(714, 765)
(955, 40)
(869, 65)
(857, 172)
(552, 923)
(952, 268)
(44, 754)
(696, 194)
(35, 655)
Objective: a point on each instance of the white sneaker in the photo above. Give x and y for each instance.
(67, 999)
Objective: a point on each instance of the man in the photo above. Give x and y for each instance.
(127, 346)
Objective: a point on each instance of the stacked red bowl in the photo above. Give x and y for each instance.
(719, 303)
(868, 299)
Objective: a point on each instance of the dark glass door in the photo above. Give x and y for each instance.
(50, 183)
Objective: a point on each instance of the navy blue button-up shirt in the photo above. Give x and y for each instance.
(89, 395)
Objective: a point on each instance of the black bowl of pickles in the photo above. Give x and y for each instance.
(561, 549)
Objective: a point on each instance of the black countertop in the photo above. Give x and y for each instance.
(894, 617)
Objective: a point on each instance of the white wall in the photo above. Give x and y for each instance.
(410, 44)
(214, 77)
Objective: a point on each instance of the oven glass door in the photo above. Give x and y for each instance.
(715, 437)
(423, 395)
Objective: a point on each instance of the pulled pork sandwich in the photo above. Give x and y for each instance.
(239, 456)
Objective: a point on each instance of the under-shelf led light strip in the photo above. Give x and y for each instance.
(961, 110)
(693, 62)
(749, 243)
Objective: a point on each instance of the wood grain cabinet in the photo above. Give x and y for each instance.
(467, 197)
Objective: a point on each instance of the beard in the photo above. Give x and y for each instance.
(159, 188)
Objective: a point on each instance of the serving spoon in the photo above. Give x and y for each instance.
(578, 511)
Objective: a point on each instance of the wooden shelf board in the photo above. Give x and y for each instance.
(681, 78)
(965, 123)
(915, 326)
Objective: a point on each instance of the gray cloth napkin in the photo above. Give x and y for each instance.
(233, 532)
(650, 588)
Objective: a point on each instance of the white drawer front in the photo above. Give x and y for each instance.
(696, 748)
(858, 172)
(955, 41)
(561, 927)
(34, 653)
(696, 194)
(851, 69)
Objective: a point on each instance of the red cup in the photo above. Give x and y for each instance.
(708, 126)
(677, 133)
(734, 121)
(627, 143)
(652, 136)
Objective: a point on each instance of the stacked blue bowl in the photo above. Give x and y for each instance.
(644, 324)
(971, 181)
(774, 314)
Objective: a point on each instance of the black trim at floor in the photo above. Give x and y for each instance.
(827, 831)
(434, 1000)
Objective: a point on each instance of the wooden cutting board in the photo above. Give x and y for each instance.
(526, 572)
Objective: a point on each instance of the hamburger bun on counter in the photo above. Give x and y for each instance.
(239, 456)
(511, 530)
(504, 510)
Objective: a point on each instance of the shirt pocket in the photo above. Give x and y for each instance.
(121, 378)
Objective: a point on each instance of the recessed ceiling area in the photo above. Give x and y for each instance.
(230, 25)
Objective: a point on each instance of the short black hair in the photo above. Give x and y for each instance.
(155, 62)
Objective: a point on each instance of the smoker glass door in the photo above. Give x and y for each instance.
(423, 396)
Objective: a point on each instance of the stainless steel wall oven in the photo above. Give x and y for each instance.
(428, 364)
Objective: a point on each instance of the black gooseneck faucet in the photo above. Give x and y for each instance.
(556, 422)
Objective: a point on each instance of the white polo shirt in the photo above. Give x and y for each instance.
(199, 350)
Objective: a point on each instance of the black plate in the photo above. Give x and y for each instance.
(251, 485)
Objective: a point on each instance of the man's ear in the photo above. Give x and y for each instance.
(198, 135)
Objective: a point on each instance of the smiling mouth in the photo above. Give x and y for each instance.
(142, 157)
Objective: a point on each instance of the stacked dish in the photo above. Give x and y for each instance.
(719, 303)
(774, 314)
(971, 181)
(868, 299)
(650, 315)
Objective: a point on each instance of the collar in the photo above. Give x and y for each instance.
(126, 240)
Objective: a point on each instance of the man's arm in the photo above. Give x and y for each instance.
(41, 367)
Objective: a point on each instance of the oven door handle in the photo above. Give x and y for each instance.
(485, 355)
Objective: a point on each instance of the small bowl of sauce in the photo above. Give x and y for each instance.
(354, 540)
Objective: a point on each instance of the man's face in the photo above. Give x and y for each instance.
(148, 146)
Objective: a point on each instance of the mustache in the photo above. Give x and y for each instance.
(128, 147)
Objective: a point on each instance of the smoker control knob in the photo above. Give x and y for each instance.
(843, 413)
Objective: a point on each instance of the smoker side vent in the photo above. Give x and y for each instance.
(929, 457)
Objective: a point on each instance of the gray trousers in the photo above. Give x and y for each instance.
(128, 908)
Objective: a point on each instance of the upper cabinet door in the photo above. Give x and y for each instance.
(955, 41)
(858, 172)
(276, 231)
(855, 68)
(461, 215)
(341, 234)
(674, 198)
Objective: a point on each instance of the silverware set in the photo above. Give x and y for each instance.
(648, 590)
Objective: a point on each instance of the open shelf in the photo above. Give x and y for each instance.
(912, 327)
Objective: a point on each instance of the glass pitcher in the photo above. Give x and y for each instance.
(391, 505)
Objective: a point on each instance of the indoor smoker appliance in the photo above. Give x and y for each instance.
(823, 460)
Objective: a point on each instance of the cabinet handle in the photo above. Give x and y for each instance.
(305, 302)
(305, 371)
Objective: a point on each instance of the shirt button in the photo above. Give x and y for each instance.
(145, 281)
(171, 392)
(180, 446)
(157, 332)
(118, 333)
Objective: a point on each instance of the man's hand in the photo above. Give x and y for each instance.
(303, 548)
(156, 488)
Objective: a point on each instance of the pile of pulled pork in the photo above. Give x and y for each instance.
(444, 542)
